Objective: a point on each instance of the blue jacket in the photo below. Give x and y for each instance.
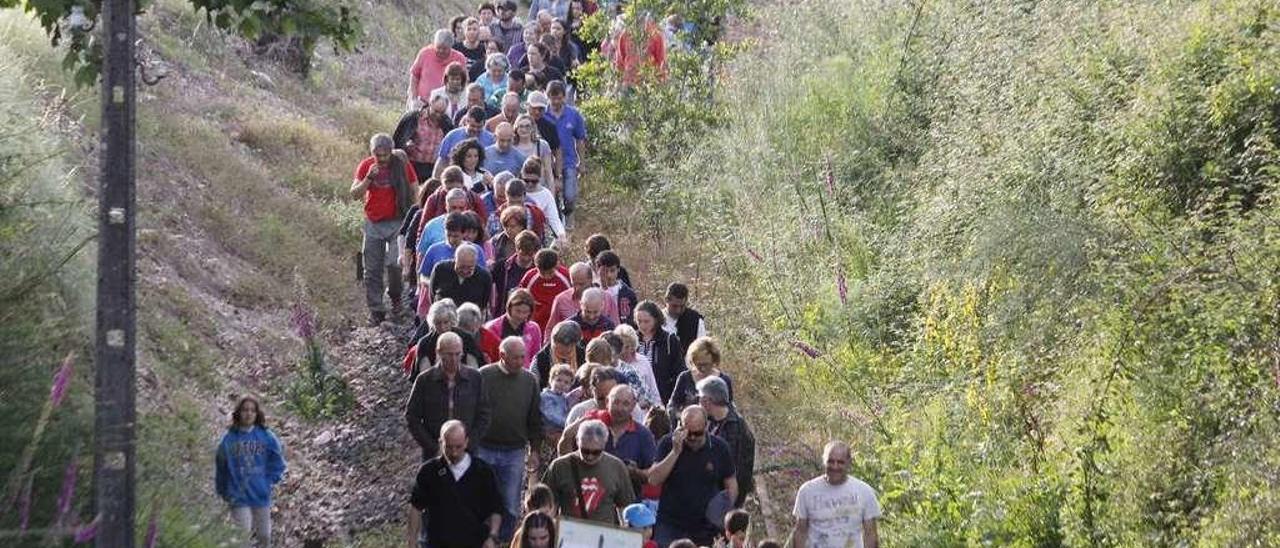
(249, 464)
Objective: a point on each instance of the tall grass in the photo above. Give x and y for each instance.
(1032, 248)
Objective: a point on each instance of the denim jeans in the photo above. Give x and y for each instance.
(508, 465)
(570, 189)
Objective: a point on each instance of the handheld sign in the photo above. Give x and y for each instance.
(576, 533)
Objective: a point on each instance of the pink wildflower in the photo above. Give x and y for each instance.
(806, 349)
(152, 530)
(24, 506)
(302, 322)
(87, 532)
(60, 380)
(68, 491)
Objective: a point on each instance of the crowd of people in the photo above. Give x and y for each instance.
(543, 386)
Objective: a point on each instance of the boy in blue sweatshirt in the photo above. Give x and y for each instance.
(250, 461)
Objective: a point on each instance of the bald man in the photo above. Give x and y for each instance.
(455, 496)
(590, 316)
(515, 436)
(694, 467)
(834, 509)
(567, 303)
(510, 110)
(501, 155)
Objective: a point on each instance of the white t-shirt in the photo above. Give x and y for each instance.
(546, 201)
(836, 512)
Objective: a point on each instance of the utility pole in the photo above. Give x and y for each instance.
(114, 409)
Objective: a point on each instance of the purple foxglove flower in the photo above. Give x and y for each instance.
(24, 506)
(60, 381)
(68, 491)
(87, 532)
(302, 322)
(806, 349)
(152, 530)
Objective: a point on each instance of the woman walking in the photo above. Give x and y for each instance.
(250, 462)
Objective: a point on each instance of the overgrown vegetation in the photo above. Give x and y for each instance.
(1022, 255)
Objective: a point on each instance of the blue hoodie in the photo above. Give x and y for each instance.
(249, 463)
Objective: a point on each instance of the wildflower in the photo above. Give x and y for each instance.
(754, 255)
(302, 321)
(24, 506)
(60, 380)
(806, 349)
(87, 532)
(68, 491)
(152, 530)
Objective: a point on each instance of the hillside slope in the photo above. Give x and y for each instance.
(242, 173)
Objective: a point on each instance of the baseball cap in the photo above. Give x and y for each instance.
(538, 99)
(638, 515)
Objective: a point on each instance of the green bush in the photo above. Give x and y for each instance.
(1027, 251)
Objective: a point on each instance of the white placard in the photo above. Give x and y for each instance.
(576, 533)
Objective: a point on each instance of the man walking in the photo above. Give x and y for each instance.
(516, 428)
(695, 468)
(459, 493)
(387, 183)
(446, 392)
(835, 510)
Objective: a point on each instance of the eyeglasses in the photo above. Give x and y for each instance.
(591, 452)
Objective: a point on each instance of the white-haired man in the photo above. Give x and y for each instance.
(456, 495)
(589, 483)
(590, 316)
(427, 71)
(462, 279)
(387, 183)
(515, 436)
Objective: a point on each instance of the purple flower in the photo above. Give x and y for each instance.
(754, 255)
(86, 533)
(24, 506)
(60, 380)
(152, 530)
(842, 287)
(302, 322)
(806, 348)
(68, 491)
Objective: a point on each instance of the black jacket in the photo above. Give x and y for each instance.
(428, 407)
(458, 508)
(742, 444)
(666, 355)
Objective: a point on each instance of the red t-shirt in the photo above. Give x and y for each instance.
(544, 293)
(380, 196)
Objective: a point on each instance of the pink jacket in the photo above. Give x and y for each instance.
(532, 336)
